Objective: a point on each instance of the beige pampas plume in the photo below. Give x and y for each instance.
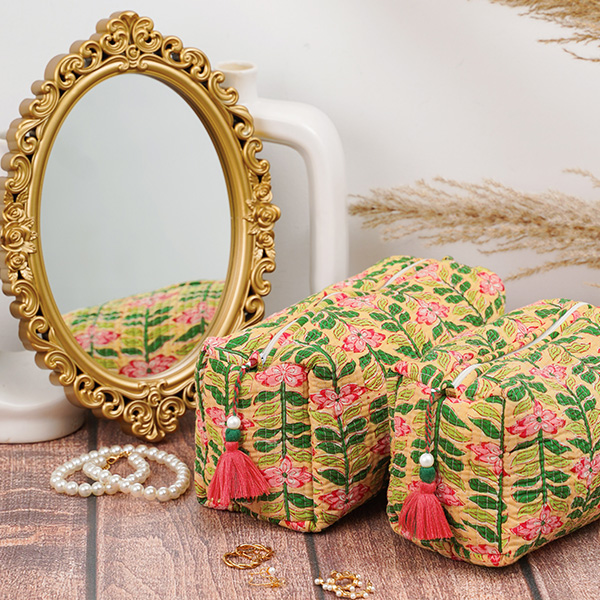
(580, 16)
(488, 212)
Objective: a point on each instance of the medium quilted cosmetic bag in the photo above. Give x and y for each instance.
(496, 436)
(292, 420)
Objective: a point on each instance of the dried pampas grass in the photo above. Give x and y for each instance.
(486, 212)
(581, 16)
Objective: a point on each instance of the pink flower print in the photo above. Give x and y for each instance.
(489, 453)
(551, 372)
(285, 339)
(542, 418)
(141, 368)
(355, 302)
(97, 337)
(288, 373)
(545, 524)
(586, 469)
(574, 316)
(358, 339)
(339, 500)
(524, 330)
(490, 283)
(401, 367)
(382, 447)
(445, 494)
(459, 397)
(194, 315)
(294, 477)
(296, 525)
(430, 271)
(488, 551)
(429, 312)
(461, 360)
(425, 389)
(211, 344)
(330, 401)
(219, 418)
(201, 429)
(401, 427)
(150, 301)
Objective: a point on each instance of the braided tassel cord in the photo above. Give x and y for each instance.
(236, 476)
(422, 515)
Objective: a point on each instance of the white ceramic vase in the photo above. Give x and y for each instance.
(311, 133)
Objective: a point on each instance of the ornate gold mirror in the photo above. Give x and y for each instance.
(83, 230)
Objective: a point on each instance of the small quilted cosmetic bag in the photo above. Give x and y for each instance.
(496, 436)
(293, 413)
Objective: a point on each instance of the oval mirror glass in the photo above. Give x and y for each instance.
(135, 225)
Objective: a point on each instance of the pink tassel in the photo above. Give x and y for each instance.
(236, 477)
(422, 515)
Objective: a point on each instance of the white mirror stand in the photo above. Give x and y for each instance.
(31, 408)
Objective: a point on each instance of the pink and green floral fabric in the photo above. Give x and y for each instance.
(147, 333)
(516, 431)
(315, 409)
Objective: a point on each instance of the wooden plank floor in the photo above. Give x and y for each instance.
(118, 548)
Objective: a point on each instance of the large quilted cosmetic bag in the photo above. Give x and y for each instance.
(496, 436)
(292, 421)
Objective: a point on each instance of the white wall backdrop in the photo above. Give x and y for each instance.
(416, 88)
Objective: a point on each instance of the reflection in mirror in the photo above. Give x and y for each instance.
(137, 267)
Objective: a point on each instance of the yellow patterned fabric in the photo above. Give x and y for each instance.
(515, 432)
(314, 411)
(147, 333)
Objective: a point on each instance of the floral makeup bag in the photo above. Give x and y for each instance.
(501, 428)
(292, 420)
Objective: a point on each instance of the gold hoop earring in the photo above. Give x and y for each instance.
(248, 556)
(266, 578)
(346, 584)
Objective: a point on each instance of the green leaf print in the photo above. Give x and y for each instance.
(334, 476)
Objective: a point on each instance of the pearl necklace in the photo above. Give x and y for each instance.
(96, 463)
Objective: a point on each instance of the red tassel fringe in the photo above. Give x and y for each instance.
(236, 476)
(422, 515)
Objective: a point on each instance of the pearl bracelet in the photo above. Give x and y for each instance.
(95, 464)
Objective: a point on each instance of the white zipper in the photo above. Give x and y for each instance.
(401, 271)
(265, 353)
(462, 375)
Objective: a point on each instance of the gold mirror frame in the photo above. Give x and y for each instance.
(126, 43)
